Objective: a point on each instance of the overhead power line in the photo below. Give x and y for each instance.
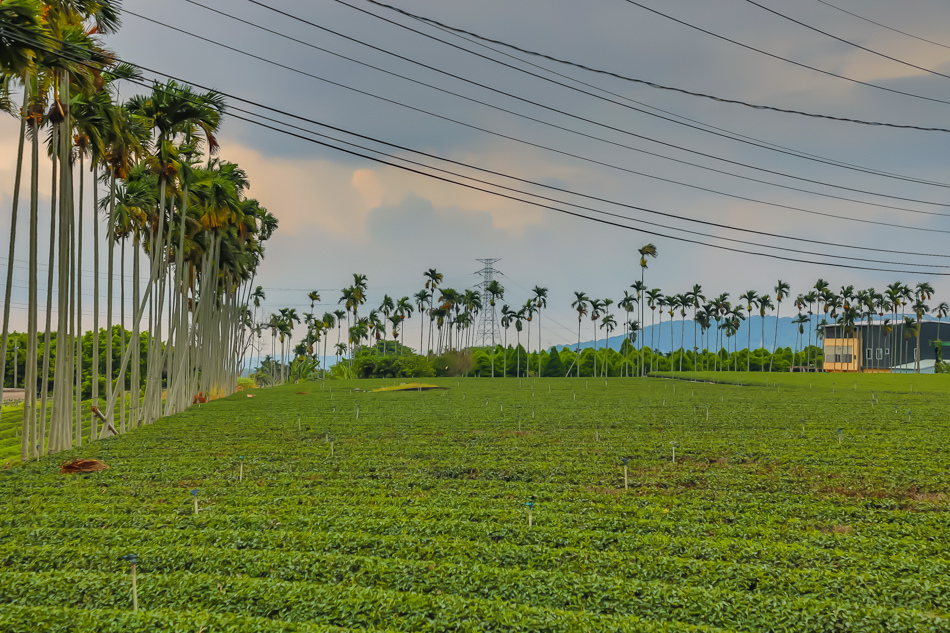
(601, 163)
(844, 41)
(571, 115)
(581, 215)
(415, 169)
(785, 59)
(702, 127)
(884, 26)
(653, 84)
(582, 134)
(614, 203)
(797, 152)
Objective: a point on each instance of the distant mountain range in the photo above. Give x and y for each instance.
(658, 336)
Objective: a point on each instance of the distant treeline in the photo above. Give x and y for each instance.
(16, 351)
(515, 361)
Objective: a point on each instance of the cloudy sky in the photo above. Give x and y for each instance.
(594, 145)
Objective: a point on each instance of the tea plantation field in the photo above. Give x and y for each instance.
(500, 506)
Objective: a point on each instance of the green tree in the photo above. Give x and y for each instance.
(646, 252)
(553, 368)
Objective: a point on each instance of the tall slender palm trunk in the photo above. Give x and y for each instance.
(94, 431)
(12, 247)
(30, 433)
(44, 386)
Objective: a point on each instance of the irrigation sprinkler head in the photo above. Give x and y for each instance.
(241, 457)
(132, 558)
(530, 505)
(674, 444)
(194, 493)
(625, 460)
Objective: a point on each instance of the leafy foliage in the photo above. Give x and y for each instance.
(770, 519)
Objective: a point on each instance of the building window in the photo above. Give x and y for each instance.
(880, 353)
(887, 351)
(870, 354)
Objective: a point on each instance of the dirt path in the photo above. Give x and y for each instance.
(13, 394)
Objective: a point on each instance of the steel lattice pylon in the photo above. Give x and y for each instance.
(488, 331)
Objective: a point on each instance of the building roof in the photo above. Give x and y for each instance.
(926, 367)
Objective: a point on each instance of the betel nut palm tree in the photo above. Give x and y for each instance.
(646, 251)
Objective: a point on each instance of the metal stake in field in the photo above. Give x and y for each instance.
(332, 439)
(241, 471)
(194, 493)
(625, 460)
(357, 410)
(673, 444)
(298, 422)
(840, 432)
(132, 558)
(530, 505)
(597, 433)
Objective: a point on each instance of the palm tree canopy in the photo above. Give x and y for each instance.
(647, 250)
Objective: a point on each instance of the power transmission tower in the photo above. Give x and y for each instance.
(488, 331)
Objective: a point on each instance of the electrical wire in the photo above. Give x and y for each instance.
(583, 158)
(586, 196)
(404, 148)
(884, 26)
(844, 41)
(700, 127)
(582, 134)
(578, 214)
(615, 143)
(460, 34)
(564, 112)
(785, 59)
(632, 207)
(648, 83)
(563, 211)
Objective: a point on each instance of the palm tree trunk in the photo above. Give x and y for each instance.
(748, 356)
(94, 431)
(539, 340)
(30, 434)
(672, 344)
(120, 378)
(44, 386)
(778, 308)
(682, 341)
(11, 251)
(917, 359)
(77, 272)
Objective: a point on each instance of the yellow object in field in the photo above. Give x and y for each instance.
(411, 386)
